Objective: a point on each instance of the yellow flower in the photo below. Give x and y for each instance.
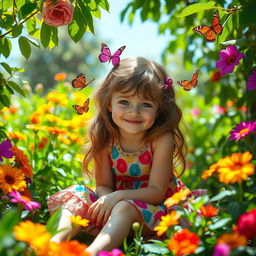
(16, 135)
(235, 168)
(208, 173)
(23, 161)
(77, 220)
(234, 240)
(34, 234)
(11, 179)
(59, 98)
(36, 127)
(177, 197)
(170, 219)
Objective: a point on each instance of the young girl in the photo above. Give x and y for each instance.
(135, 144)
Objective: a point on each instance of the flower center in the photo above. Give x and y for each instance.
(9, 179)
(244, 131)
(231, 60)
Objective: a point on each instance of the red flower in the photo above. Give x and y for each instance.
(184, 242)
(215, 76)
(208, 211)
(246, 224)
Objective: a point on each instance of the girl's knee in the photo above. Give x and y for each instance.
(125, 209)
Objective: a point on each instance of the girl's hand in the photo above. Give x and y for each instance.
(100, 210)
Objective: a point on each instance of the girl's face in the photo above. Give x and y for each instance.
(131, 113)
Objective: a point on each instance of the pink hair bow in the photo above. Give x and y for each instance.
(168, 83)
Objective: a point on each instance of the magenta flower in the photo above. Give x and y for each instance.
(5, 150)
(251, 82)
(229, 58)
(221, 250)
(114, 252)
(242, 130)
(28, 204)
(195, 112)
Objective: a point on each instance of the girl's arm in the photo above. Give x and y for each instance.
(103, 174)
(160, 174)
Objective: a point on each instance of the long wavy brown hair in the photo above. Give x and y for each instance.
(141, 77)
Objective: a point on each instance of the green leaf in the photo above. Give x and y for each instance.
(198, 7)
(34, 42)
(7, 67)
(25, 47)
(76, 29)
(45, 35)
(7, 222)
(247, 15)
(17, 88)
(16, 30)
(26, 9)
(222, 195)
(87, 16)
(52, 223)
(5, 101)
(219, 224)
(5, 46)
(104, 5)
(31, 26)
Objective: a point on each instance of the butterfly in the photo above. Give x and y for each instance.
(211, 32)
(80, 81)
(188, 85)
(105, 54)
(5, 150)
(82, 109)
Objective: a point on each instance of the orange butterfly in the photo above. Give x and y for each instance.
(80, 81)
(188, 85)
(82, 109)
(211, 32)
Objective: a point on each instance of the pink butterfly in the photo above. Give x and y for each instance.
(106, 54)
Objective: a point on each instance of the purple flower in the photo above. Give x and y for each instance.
(5, 150)
(28, 204)
(221, 250)
(242, 130)
(114, 252)
(229, 58)
(251, 82)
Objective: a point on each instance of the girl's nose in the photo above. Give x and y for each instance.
(135, 109)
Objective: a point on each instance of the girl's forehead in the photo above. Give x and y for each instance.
(129, 94)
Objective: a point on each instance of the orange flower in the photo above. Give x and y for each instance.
(43, 142)
(13, 110)
(208, 173)
(23, 161)
(68, 248)
(235, 168)
(177, 197)
(170, 219)
(183, 242)
(35, 118)
(56, 130)
(60, 76)
(234, 240)
(208, 211)
(11, 179)
(16, 136)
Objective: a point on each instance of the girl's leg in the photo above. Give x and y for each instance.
(65, 223)
(116, 229)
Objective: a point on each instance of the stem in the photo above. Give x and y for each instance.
(31, 15)
(240, 191)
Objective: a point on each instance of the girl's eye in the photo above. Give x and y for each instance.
(146, 105)
(123, 102)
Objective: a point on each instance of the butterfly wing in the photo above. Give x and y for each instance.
(216, 26)
(115, 59)
(105, 53)
(188, 85)
(202, 30)
(86, 105)
(79, 81)
(81, 109)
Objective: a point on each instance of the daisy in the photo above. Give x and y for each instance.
(229, 58)
(11, 179)
(177, 197)
(241, 130)
(77, 220)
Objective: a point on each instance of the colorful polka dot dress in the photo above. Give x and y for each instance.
(131, 171)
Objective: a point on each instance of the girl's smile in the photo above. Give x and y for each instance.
(131, 113)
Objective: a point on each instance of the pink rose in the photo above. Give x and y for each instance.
(59, 14)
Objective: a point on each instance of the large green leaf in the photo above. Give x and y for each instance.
(198, 7)
(87, 16)
(5, 46)
(25, 47)
(26, 9)
(104, 4)
(17, 88)
(45, 35)
(7, 67)
(17, 30)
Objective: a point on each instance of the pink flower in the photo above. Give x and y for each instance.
(59, 14)
(28, 204)
(219, 109)
(251, 82)
(114, 252)
(195, 112)
(246, 224)
(242, 130)
(221, 250)
(229, 58)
